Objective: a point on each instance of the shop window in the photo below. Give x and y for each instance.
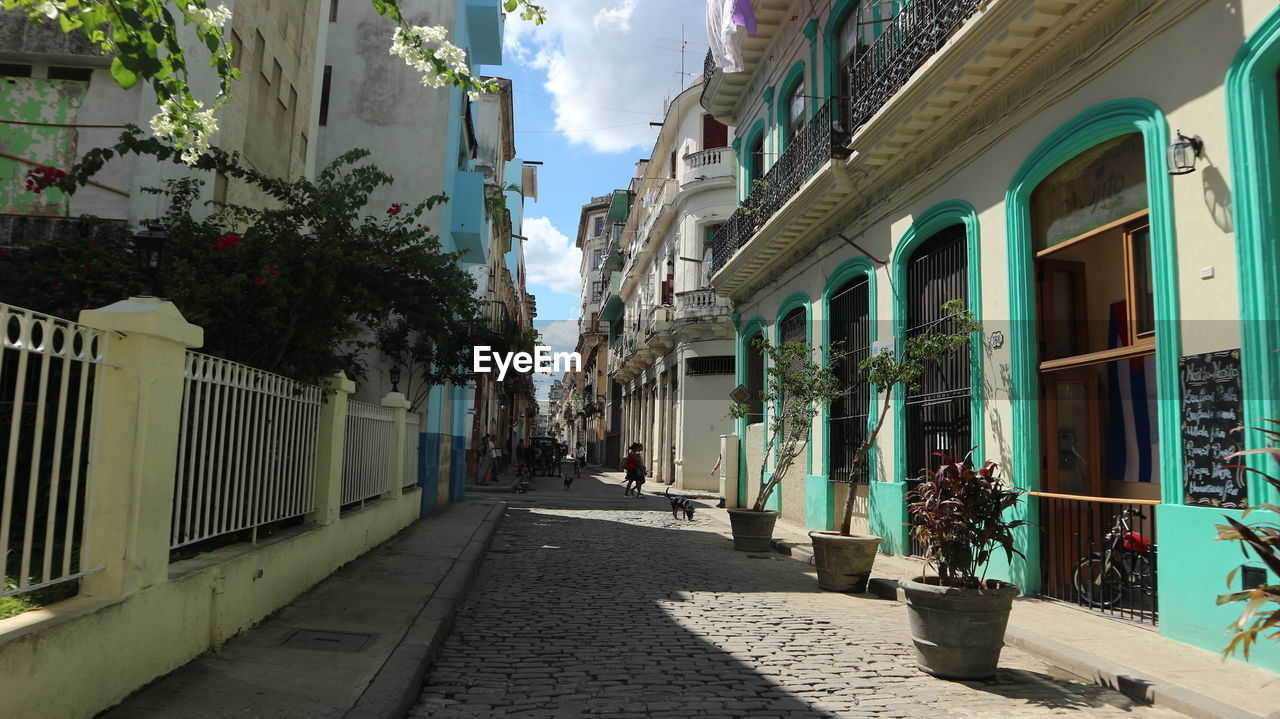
(1097, 333)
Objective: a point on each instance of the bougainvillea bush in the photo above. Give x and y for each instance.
(299, 289)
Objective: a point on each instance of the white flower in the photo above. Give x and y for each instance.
(189, 127)
(411, 45)
(53, 8)
(204, 18)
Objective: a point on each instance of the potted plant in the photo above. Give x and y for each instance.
(795, 385)
(958, 617)
(843, 559)
(1261, 611)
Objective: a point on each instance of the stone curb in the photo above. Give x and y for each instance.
(1136, 685)
(398, 683)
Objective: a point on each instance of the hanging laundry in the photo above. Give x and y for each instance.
(724, 18)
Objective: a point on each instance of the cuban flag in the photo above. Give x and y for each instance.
(1132, 444)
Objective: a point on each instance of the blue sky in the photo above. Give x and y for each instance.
(586, 85)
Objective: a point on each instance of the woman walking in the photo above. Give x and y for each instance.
(635, 470)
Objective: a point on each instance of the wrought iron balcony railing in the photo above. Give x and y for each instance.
(919, 30)
(822, 139)
(708, 68)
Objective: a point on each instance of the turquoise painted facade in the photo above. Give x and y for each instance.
(1228, 95)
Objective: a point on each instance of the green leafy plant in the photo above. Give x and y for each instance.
(958, 513)
(888, 369)
(795, 387)
(1261, 611)
(300, 288)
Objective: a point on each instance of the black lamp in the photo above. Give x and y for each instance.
(395, 378)
(150, 245)
(1183, 153)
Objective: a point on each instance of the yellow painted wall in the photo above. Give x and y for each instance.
(77, 657)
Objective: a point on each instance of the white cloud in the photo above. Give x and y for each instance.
(550, 258)
(610, 64)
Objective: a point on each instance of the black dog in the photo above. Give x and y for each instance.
(568, 480)
(680, 504)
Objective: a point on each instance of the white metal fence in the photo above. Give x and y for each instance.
(48, 368)
(369, 457)
(246, 451)
(412, 428)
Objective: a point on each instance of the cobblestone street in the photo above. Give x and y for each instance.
(592, 604)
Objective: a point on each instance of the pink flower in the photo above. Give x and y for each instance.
(42, 176)
(226, 242)
(394, 209)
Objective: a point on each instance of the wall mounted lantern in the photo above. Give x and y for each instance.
(1183, 153)
(395, 378)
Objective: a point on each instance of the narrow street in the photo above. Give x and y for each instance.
(594, 604)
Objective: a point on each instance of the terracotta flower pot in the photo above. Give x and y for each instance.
(752, 531)
(958, 633)
(844, 562)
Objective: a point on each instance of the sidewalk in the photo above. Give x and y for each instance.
(355, 646)
(1132, 659)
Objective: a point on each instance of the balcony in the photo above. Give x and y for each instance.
(701, 314)
(912, 37)
(706, 165)
(722, 90)
(823, 139)
(910, 99)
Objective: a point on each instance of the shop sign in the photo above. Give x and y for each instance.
(1099, 186)
(1212, 408)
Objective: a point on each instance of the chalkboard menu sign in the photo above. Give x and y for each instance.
(1211, 408)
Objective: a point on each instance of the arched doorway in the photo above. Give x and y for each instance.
(1096, 341)
(937, 412)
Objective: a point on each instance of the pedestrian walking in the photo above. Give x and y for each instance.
(495, 456)
(559, 450)
(520, 457)
(634, 466)
(579, 460)
(484, 463)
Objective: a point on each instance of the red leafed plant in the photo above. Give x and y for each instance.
(1262, 603)
(958, 513)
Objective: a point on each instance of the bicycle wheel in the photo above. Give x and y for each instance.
(1098, 583)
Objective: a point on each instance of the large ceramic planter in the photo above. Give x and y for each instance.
(958, 633)
(843, 562)
(752, 531)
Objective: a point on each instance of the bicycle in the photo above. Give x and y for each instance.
(1127, 563)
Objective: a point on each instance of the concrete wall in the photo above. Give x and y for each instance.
(80, 656)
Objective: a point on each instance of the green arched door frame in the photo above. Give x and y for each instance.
(1091, 127)
(748, 331)
(1254, 134)
(795, 300)
(821, 493)
(758, 128)
(891, 514)
(783, 121)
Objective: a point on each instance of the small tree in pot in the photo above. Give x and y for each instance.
(795, 386)
(843, 559)
(958, 617)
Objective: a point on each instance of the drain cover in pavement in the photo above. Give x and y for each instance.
(327, 641)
